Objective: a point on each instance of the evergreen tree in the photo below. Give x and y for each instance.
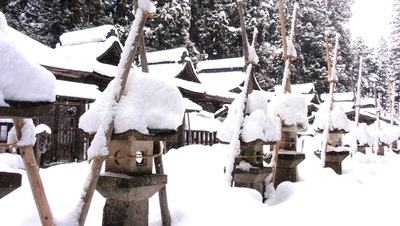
(170, 26)
(395, 39)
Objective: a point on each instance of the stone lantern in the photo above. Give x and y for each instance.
(288, 157)
(339, 124)
(128, 181)
(254, 176)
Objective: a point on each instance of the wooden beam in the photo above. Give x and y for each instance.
(32, 171)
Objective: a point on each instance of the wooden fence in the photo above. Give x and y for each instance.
(200, 137)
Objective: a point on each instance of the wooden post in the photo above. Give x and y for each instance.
(358, 105)
(143, 56)
(162, 193)
(286, 87)
(97, 163)
(28, 157)
(332, 78)
(246, 88)
(283, 29)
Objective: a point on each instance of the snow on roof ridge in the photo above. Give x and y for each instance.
(236, 62)
(95, 34)
(168, 55)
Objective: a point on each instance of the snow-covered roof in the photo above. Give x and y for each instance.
(170, 70)
(90, 35)
(79, 90)
(190, 105)
(236, 63)
(304, 88)
(44, 55)
(167, 56)
(347, 96)
(88, 52)
(222, 81)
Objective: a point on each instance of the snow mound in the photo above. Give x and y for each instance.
(257, 123)
(148, 103)
(291, 108)
(339, 119)
(15, 66)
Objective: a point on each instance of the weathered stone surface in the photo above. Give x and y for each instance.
(9, 182)
(121, 213)
(129, 188)
(334, 159)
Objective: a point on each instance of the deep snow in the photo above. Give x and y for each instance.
(365, 194)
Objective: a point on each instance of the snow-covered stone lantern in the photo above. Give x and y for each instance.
(339, 125)
(258, 129)
(150, 111)
(359, 134)
(27, 90)
(291, 110)
(42, 132)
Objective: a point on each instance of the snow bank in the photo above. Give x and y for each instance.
(148, 103)
(291, 108)
(339, 118)
(15, 67)
(257, 123)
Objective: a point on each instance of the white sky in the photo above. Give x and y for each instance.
(371, 20)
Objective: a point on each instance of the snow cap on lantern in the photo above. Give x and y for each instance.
(339, 121)
(16, 66)
(257, 123)
(291, 108)
(148, 103)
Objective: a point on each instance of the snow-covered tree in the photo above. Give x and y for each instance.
(395, 38)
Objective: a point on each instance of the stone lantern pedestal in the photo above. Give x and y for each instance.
(287, 166)
(334, 159)
(128, 197)
(254, 177)
(9, 182)
(128, 181)
(288, 157)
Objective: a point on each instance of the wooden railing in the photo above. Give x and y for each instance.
(200, 137)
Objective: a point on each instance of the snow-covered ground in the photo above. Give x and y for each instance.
(367, 193)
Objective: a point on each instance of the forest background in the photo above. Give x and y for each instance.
(210, 29)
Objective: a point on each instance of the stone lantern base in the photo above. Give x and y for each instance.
(9, 182)
(286, 169)
(127, 201)
(287, 166)
(334, 159)
(252, 178)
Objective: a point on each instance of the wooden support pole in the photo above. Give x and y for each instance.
(97, 163)
(283, 29)
(245, 42)
(143, 56)
(332, 78)
(32, 171)
(162, 193)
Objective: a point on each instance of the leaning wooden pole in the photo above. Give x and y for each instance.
(332, 78)
(32, 171)
(125, 66)
(235, 141)
(286, 86)
(357, 106)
